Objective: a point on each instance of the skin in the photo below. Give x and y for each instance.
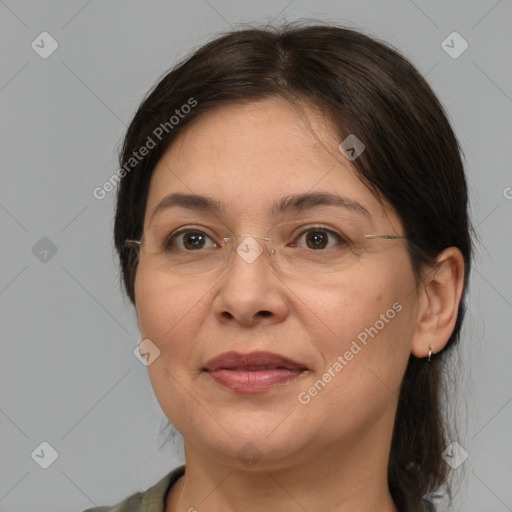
(332, 453)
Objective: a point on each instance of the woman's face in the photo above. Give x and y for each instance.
(349, 330)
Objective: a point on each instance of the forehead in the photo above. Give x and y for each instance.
(249, 156)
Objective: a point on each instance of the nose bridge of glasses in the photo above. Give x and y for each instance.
(250, 247)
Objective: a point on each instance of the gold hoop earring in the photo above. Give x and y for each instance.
(429, 354)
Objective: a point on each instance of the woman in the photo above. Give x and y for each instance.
(293, 233)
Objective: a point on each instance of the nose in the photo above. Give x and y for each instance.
(250, 292)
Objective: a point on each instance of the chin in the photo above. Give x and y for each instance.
(250, 442)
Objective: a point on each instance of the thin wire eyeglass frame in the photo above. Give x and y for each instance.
(138, 243)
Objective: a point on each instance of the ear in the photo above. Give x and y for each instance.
(439, 294)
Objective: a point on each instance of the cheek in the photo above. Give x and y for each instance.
(342, 309)
(170, 314)
(363, 328)
(364, 356)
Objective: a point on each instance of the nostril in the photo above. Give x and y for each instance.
(264, 313)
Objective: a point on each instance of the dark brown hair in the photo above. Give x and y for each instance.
(412, 159)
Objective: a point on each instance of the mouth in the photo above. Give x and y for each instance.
(253, 372)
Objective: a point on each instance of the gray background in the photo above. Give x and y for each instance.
(68, 375)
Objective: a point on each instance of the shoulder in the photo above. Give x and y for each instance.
(151, 500)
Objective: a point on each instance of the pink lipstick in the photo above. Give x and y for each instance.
(254, 372)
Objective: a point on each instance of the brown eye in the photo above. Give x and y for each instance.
(189, 240)
(193, 241)
(316, 239)
(320, 238)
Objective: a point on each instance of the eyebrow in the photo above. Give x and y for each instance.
(292, 203)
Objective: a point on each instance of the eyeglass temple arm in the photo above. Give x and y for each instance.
(386, 237)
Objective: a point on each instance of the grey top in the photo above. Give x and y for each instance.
(153, 499)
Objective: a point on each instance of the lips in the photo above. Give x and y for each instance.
(253, 362)
(253, 372)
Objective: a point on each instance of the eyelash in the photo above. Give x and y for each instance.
(173, 236)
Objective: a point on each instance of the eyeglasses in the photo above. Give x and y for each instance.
(313, 251)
